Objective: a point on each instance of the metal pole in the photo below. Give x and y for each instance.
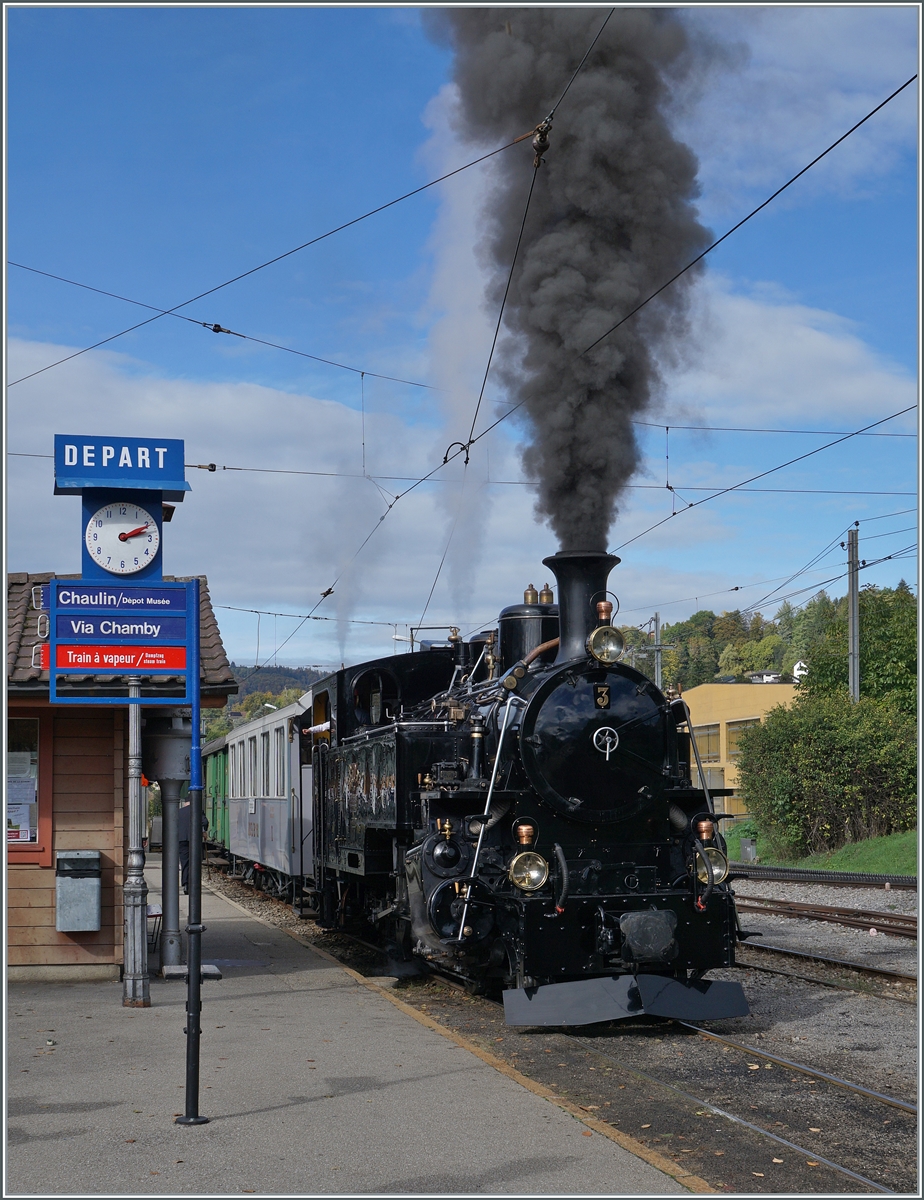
(657, 632)
(171, 945)
(194, 927)
(853, 612)
(136, 987)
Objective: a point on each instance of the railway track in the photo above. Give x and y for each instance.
(858, 1168)
(896, 924)
(854, 879)
(887, 980)
(858, 1090)
(785, 1143)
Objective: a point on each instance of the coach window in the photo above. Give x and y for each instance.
(232, 782)
(265, 786)
(707, 742)
(280, 735)
(28, 789)
(241, 770)
(254, 765)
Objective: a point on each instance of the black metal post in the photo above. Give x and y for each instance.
(194, 926)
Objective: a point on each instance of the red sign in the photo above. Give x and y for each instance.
(102, 660)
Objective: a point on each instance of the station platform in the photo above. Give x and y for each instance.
(340, 1092)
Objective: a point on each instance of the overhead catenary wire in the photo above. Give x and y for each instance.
(764, 474)
(500, 315)
(279, 257)
(747, 429)
(214, 467)
(214, 327)
(445, 552)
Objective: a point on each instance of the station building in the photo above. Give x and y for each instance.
(721, 712)
(67, 789)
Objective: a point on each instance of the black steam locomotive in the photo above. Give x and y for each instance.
(517, 808)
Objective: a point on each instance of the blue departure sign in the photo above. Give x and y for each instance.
(121, 630)
(123, 463)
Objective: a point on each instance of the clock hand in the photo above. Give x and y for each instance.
(123, 537)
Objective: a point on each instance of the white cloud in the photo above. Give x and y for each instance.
(765, 359)
(804, 75)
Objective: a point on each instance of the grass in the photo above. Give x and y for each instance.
(896, 854)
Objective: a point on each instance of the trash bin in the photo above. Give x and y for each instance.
(78, 887)
(749, 849)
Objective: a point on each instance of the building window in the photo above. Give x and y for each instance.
(280, 761)
(29, 772)
(22, 745)
(707, 742)
(265, 763)
(734, 730)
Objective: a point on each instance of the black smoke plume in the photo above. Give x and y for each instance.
(611, 219)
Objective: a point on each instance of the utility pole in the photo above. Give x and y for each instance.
(658, 647)
(853, 611)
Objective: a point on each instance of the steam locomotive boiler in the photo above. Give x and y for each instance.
(518, 809)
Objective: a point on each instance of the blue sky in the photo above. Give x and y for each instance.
(156, 152)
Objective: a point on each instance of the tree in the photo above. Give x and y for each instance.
(825, 772)
(888, 649)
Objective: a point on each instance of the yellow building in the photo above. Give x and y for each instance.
(720, 711)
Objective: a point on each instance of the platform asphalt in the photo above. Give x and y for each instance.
(314, 1083)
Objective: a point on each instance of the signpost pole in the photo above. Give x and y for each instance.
(194, 927)
(136, 987)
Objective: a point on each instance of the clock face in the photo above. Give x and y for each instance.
(122, 537)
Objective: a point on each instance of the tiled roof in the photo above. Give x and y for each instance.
(216, 677)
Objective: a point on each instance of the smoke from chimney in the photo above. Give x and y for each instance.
(611, 219)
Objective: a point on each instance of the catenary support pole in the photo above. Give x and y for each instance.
(657, 632)
(853, 612)
(136, 987)
(194, 926)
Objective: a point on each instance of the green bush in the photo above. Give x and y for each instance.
(826, 772)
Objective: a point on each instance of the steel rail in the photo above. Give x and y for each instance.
(775, 1137)
(846, 964)
(856, 1088)
(832, 878)
(821, 981)
(721, 1112)
(897, 924)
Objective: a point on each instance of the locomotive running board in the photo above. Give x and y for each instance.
(588, 1001)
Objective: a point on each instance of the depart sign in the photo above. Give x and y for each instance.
(145, 464)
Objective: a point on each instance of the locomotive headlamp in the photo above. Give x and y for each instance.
(606, 644)
(719, 865)
(528, 871)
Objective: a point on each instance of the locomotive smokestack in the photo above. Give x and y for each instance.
(581, 583)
